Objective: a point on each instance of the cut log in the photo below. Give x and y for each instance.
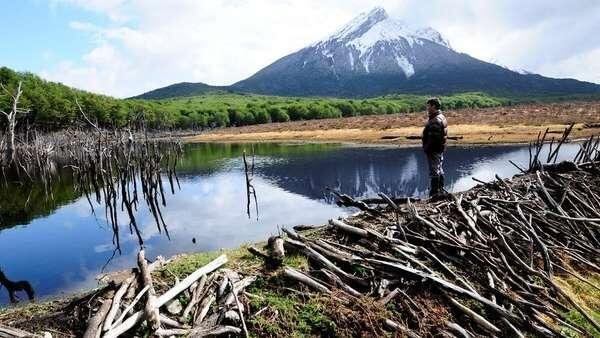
(276, 251)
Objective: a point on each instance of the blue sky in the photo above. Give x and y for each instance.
(126, 47)
(40, 34)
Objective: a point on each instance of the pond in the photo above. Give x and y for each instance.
(60, 245)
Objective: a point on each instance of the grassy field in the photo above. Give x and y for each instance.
(508, 124)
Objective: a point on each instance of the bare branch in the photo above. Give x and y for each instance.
(85, 116)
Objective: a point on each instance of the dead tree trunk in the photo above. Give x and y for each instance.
(11, 119)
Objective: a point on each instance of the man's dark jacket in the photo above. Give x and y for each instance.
(435, 133)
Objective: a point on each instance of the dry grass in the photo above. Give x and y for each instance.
(513, 124)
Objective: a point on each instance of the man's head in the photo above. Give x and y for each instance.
(433, 105)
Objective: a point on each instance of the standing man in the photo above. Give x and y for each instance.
(434, 144)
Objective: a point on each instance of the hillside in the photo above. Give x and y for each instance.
(182, 89)
(53, 106)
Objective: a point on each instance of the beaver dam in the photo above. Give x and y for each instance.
(512, 257)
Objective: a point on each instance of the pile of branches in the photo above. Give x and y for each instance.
(490, 254)
(208, 302)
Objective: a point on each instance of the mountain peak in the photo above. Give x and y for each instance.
(368, 28)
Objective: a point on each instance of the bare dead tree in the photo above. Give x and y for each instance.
(11, 117)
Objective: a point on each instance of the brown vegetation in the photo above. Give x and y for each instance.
(510, 124)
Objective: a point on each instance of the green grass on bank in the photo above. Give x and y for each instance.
(284, 312)
(588, 297)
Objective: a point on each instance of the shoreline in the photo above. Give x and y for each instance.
(517, 124)
(580, 133)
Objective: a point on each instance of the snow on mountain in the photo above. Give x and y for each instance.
(368, 28)
(375, 54)
(521, 71)
(370, 31)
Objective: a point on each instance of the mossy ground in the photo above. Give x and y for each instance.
(587, 296)
(279, 307)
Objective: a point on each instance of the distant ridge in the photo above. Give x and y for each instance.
(181, 89)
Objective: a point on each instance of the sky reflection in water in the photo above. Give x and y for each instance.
(65, 250)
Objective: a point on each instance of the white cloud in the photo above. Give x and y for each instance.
(579, 66)
(152, 43)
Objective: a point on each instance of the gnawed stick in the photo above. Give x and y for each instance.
(447, 269)
(466, 217)
(195, 298)
(238, 287)
(444, 284)
(459, 329)
(116, 303)
(239, 308)
(516, 331)
(129, 307)
(312, 253)
(392, 325)
(151, 307)
(477, 318)
(94, 327)
(172, 322)
(348, 228)
(204, 307)
(337, 281)
(174, 291)
(305, 279)
(389, 297)
(11, 332)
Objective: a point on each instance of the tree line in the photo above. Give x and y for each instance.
(53, 106)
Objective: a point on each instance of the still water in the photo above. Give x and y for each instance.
(60, 246)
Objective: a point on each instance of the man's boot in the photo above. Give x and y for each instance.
(434, 187)
(441, 184)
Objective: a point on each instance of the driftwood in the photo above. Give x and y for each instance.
(302, 278)
(151, 307)
(116, 302)
(130, 322)
(476, 317)
(276, 251)
(10, 332)
(94, 327)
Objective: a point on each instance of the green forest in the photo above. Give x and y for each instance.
(53, 106)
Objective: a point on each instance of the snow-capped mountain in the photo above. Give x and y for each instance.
(374, 39)
(375, 54)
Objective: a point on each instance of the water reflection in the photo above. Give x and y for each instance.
(12, 287)
(64, 246)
